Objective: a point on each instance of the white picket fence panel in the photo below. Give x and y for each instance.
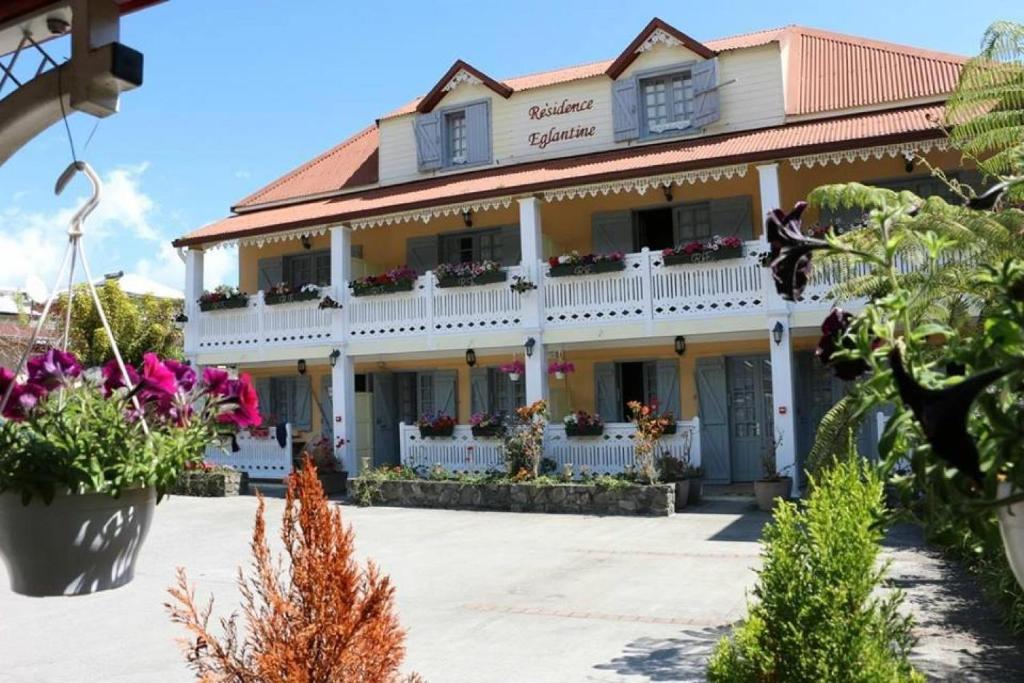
(260, 458)
(301, 322)
(599, 298)
(610, 453)
(725, 287)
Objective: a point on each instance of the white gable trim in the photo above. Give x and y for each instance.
(461, 77)
(658, 37)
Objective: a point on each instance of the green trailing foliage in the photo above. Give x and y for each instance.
(819, 613)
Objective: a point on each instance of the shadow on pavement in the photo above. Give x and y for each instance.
(683, 658)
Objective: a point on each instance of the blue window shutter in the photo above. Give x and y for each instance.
(271, 272)
(732, 216)
(263, 392)
(302, 395)
(714, 419)
(625, 109)
(479, 390)
(428, 140)
(478, 133)
(511, 248)
(706, 108)
(611, 232)
(606, 392)
(421, 253)
(666, 374)
(445, 384)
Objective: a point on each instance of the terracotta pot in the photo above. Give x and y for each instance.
(682, 494)
(767, 493)
(77, 544)
(1011, 528)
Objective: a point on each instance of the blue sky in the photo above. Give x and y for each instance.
(237, 92)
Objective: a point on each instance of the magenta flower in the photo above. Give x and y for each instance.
(159, 380)
(184, 374)
(216, 380)
(113, 379)
(24, 398)
(241, 402)
(53, 368)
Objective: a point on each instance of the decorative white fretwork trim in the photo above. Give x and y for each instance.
(907, 150)
(261, 240)
(658, 37)
(461, 77)
(641, 185)
(435, 212)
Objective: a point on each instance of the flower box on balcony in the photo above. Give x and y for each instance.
(486, 431)
(223, 304)
(289, 298)
(388, 288)
(570, 269)
(584, 430)
(435, 432)
(706, 256)
(670, 428)
(482, 279)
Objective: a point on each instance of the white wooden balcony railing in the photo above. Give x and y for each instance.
(645, 290)
(261, 458)
(610, 453)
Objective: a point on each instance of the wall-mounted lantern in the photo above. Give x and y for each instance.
(528, 346)
(680, 345)
(302, 366)
(777, 332)
(470, 357)
(333, 358)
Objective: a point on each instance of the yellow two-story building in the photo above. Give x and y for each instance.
(661, 163)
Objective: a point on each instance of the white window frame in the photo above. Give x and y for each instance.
(451, 156)
(674, 125)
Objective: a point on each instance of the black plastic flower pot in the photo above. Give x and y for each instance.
(488, 431)
(578, 430)
(293, 297)
(707, 256)
(482, 279)
(224, 304)
(435, 432)
(389, 288)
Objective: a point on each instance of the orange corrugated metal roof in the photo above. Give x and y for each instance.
(826, 71)
(849, 132)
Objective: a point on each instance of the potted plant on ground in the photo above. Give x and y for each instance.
(673, 470)
(284, 293)
(560, 368)
(436, 425)
(395, 280)
(773, 484)
(702, 251)
(468, 274)
(333, 477)
(575, 263)
(514, 370)
(223, 297)
(85, 456)
(206, 479)
(582, 423)
(485, 425)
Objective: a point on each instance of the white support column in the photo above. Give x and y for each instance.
(536, 374)
(193, 290)
(784, 415)
(531, 247)
(768, 182)
(343, 398)
(341, 273)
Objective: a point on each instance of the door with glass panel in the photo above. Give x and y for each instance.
(750, 414)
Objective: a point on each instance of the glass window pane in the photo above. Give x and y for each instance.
(457, 137)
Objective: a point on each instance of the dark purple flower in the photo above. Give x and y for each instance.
(113, 378)
(241, 403)
(24, 398)
(184, 374)
(53, 368)
(833, 338)
(790, 257)
(943, 414)
(216, 380)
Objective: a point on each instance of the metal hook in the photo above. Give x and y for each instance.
(90, 205)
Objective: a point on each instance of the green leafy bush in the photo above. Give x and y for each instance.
(818, 615)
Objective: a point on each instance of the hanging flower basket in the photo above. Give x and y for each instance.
(514, 370)
(240, 301)
(571, 269)
(469, 274)
(560, 368)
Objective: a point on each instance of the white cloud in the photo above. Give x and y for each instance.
(220, 266)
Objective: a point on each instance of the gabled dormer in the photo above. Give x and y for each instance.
(459, 135)
(669, 99)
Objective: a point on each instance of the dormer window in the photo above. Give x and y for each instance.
(454, 137)
(668, 102)
(455, 128)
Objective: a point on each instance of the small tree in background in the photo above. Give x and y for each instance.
(141, 324)
(320, 618)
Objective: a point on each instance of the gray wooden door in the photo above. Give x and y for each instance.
(714, 419)
(750, 414)
(385, 416)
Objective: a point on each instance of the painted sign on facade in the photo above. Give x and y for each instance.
(558, 133)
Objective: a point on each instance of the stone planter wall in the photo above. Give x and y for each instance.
(656, 500)
(211, 484)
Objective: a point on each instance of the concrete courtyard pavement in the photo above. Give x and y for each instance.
(484, 596)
